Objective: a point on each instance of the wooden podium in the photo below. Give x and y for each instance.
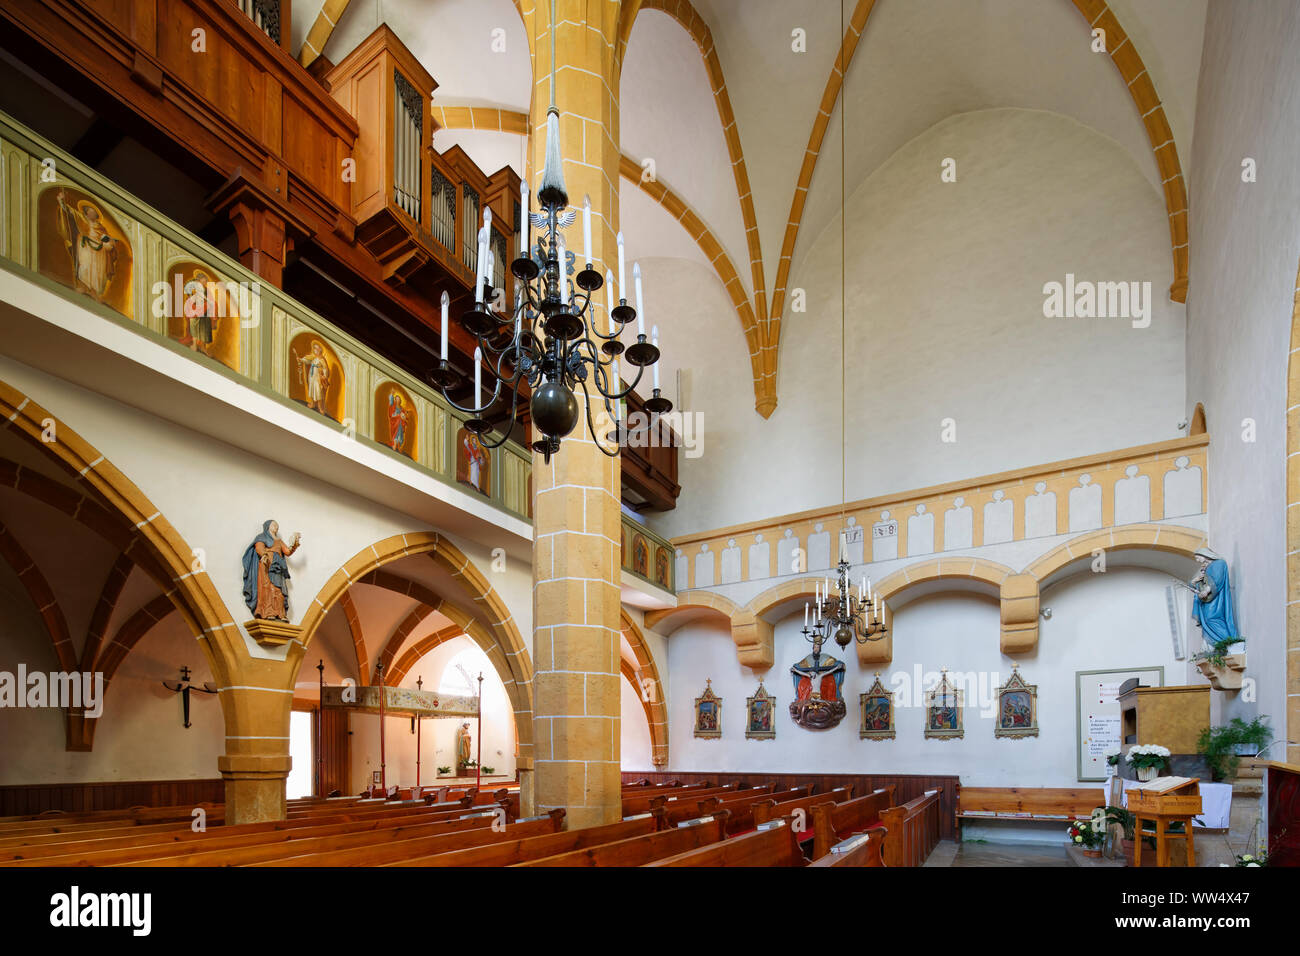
(1163, 801)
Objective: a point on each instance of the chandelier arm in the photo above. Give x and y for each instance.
(476, 412)
(591, 428)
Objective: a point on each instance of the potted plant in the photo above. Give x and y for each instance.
(1249, 859)
(1224, 746)
(1112, 757)
(1223, 663)
(1127, 821)
(1148, 760)
(1082, 833)
(444, 771)
(488, 771)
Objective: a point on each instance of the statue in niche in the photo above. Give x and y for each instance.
(1212, 607)
(818, 679)
(463, 748)
(266, 573)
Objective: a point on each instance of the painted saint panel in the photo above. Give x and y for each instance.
(82, 246)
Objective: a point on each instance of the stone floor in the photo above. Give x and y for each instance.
(949, 853)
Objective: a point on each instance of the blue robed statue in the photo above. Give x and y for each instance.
(266, 574)
(1212, 607)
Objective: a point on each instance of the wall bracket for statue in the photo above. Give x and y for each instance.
(818, 680)
(273, 633)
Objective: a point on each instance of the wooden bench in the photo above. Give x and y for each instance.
(645, 803)
(776, 845)
(640, 850)
(861, 850)
(741, 806)
(769, 809)
(227, 840)
(832, 822)
(510, 852)
(913, 830)
(1026, 803)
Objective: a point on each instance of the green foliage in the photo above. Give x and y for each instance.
(1122, 816)
(444, 770)
(1217, 655)
(489, 770)
(1217, 743)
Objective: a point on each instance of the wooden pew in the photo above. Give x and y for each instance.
(742, 805)
(690, 808)
(861, 850)
(765, 810)
(642, 802)
(187, 843)
(833, 822)
(397, 850)
(639, 850)
(775, 845)
(913, 830)
(114, 836)
(1026, 803)
(510, 852)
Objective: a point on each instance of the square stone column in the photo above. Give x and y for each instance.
(576, 515)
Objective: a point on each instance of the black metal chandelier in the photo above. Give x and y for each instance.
(844, 616)
(550, 339)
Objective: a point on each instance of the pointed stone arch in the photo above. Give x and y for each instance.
(499, 637)
(649, 686)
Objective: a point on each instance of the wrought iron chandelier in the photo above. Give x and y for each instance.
(550, 338)
(843, 615)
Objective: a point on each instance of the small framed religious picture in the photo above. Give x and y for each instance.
(877, 712)
(708, 713)
(374, 778)
(759, 709)
(943, 710)
(1017, 707)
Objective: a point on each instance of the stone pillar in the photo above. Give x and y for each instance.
(577, 524)
(256, 699)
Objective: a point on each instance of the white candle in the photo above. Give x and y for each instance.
(844, 546)
(478, 377)
(446, 303)
(564, 271)
(805, 615)
(609, 301)
(526, 225)
(654, 340)
(622, 269)
(586, 229)
(487, 217)
(481, 265)
(618, 383)
(490, 274)
(640, 309)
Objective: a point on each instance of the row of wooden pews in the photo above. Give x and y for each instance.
(670, 825)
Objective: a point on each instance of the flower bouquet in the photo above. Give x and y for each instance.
(1085, 834)
(1148, 760)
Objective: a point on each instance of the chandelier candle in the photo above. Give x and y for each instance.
(527, 223)
(586, 230)
(446, 302)
(622, 269)
(640, 309)
(564, 272)
(609, 302)
(478, 378)
(654, 340)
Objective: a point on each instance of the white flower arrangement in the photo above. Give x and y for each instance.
(1148, 755)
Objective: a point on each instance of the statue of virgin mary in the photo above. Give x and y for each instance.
(1212, 606)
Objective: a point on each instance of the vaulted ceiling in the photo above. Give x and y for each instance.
(730, 109)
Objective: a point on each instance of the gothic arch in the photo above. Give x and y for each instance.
(499, 638)
(655, 702)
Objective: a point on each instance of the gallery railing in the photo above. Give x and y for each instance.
(647, 555)
(1147, 483)
(67, 227)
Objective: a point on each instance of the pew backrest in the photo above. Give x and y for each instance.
(775, 845)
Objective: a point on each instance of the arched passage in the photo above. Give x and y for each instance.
(649, 686)
(490, 624)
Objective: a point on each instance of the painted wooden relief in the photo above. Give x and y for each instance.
(473, 462)
(316, 375)
(396, 419)
(661, 567)
(708, 713)
(818, 680)
(877, 712)
(204, 312)
(640, 555)
(759, 715)
(82, 246)
(943, 710)
(1017, 708)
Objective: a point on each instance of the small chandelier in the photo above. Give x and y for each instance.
(843, 615)
(550, 338)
